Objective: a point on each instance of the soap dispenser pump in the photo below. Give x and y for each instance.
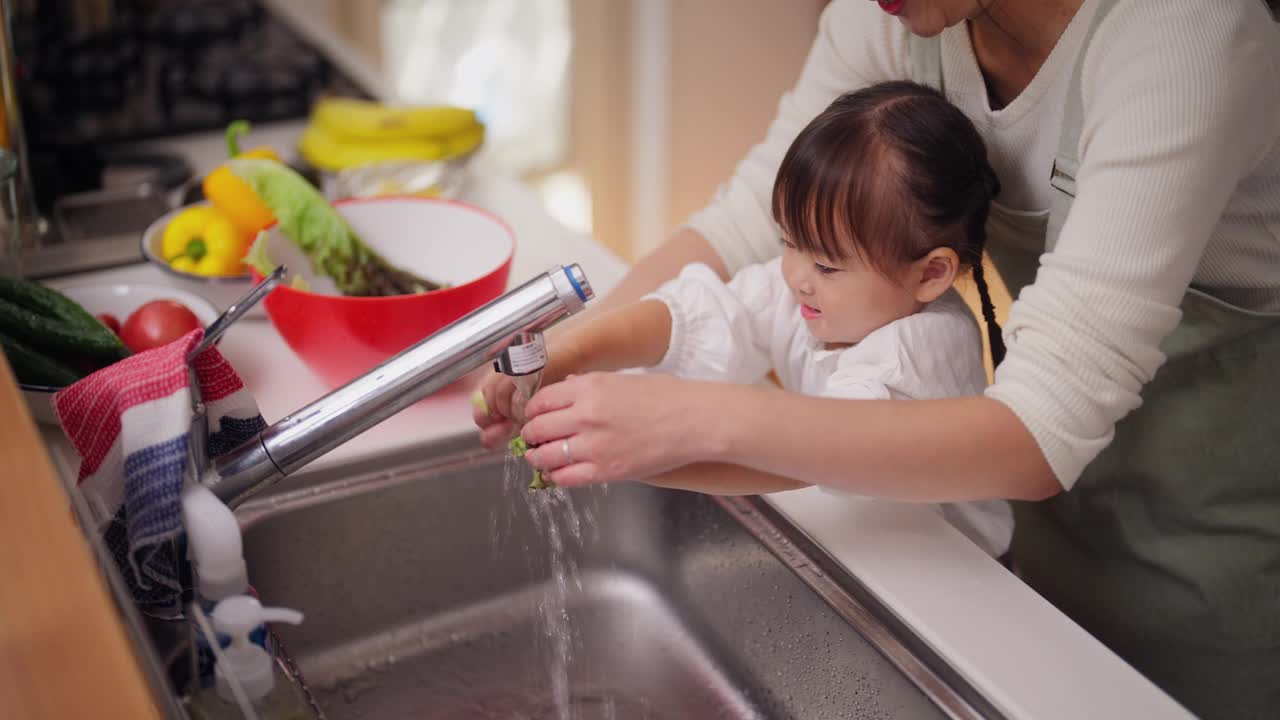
(216, 551)
(246, 665)
(244, 660)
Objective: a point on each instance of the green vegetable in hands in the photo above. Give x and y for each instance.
(310, 221)
(518, 447)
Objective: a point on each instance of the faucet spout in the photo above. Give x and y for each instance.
(401, 381)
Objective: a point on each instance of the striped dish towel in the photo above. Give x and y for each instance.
(129, 423)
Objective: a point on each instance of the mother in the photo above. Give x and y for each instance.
(1138, 145)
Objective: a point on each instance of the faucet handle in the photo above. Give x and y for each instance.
(198, 431)
(214, 332)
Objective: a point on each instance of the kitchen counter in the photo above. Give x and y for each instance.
(58, 625)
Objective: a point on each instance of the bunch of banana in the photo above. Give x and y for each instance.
(344, 133)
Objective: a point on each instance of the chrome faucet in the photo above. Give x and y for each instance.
(507, 329)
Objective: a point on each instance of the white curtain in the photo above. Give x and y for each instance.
(508, 59)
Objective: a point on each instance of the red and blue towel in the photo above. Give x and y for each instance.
(130, 423)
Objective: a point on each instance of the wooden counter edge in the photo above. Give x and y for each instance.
(64, 652)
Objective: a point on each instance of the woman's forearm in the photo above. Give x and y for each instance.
(616, 332)
(684, 247)
(591, 341)
(724, 479)
(914, 450)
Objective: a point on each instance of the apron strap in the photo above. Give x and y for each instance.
(1066, 164)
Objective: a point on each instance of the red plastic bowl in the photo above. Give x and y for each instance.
(340, 338)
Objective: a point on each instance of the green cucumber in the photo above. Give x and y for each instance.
(58, 338)
(35, 368)
(47, 302)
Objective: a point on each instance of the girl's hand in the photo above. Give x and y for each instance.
(618, 427)
(496, 415)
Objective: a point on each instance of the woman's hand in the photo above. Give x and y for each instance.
(503, 410)
(634, 335)
(610, 427)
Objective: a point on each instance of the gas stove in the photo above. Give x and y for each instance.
(96, 76)
(97, 80)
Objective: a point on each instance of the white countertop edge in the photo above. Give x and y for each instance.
(1024, 655)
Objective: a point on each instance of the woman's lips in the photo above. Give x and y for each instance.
(893, 7)
(809, 313)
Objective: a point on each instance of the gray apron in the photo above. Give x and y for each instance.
(1168, 547)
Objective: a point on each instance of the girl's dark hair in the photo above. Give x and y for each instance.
(889, 173)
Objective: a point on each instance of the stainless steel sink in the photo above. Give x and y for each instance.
(447, 590)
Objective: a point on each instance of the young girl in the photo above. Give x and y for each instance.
(882, 201)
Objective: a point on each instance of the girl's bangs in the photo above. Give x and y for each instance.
(839, 194)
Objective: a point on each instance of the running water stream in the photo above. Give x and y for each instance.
(560, 526)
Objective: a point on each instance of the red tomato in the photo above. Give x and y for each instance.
(110, 321)
(157, 323)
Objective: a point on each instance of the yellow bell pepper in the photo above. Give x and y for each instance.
(204, 241)
(232, 195)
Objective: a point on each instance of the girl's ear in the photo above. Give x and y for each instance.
(934, 274)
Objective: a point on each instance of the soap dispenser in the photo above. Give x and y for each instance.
(246, 665)
(216, 551)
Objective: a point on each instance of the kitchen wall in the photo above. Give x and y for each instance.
(730, 62)
(359, 22)
(701, 79)
(665, 97)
